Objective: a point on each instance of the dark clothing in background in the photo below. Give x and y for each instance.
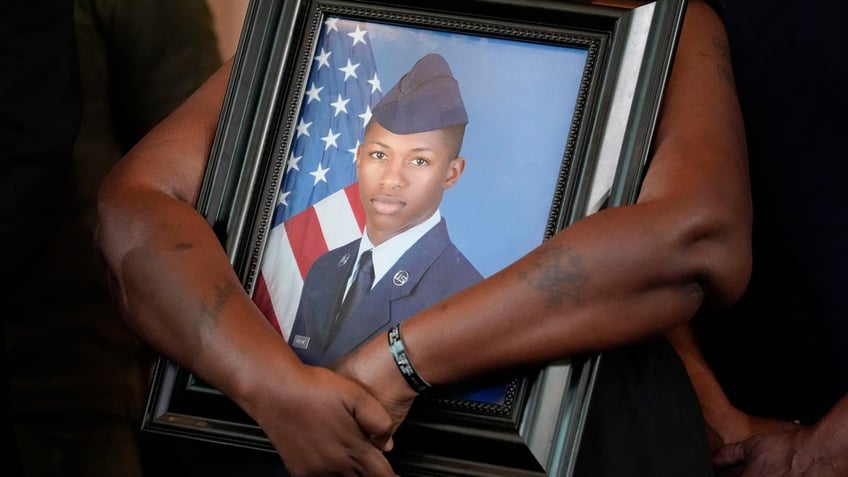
(644, 418)
(39, 116)
(782, 351)
(78, 377)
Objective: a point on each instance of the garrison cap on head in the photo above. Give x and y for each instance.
(425, 98)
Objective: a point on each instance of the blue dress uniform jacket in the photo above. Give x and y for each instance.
(430, 271)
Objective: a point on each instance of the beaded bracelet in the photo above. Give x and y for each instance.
(415, 381)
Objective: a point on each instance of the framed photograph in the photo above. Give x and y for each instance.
(557, 103)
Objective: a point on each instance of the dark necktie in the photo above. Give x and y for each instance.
(358, 290)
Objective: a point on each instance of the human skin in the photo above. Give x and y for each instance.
(402, 178)
(178, 291)
(820, 450)
(725, 422)
(685, 243)
(618, 276)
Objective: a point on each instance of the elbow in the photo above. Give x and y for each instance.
(104, 239)
(717, 246)
(105, 227)
(116, 231)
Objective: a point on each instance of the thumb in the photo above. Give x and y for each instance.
(374, 421)
(730, 455)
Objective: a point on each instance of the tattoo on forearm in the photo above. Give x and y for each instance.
(725, 70)
(222, 294)
(558, 273)
(183, 246)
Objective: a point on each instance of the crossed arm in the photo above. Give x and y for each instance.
(178, 291)
(615, 277)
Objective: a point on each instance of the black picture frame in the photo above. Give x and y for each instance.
(626, 47)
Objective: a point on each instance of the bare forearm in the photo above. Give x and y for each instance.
(709, 391)
(725, 422)
(178, 290)
(171, 276)
(608, 280)
(616, 277)
(622, 274)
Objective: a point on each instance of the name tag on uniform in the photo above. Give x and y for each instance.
(301, 342)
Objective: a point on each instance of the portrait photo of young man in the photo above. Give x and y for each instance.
(408, 159)
(413, 191)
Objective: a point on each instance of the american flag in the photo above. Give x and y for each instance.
(318, 205)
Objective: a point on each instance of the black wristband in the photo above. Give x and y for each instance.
(415, 381)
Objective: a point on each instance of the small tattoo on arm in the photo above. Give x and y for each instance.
(725, 70)
(558, 273)
(222, 294)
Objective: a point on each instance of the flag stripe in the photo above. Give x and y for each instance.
(304, 235)
(356, 205)
(338, 220)
(300, 241)
(318, 208)
(263, 301)
(283, 281)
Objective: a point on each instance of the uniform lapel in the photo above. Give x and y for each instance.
(376, 312)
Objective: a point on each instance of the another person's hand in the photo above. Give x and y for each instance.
(324, 424)
(732, 425)
(788, 453)
(378, 373)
